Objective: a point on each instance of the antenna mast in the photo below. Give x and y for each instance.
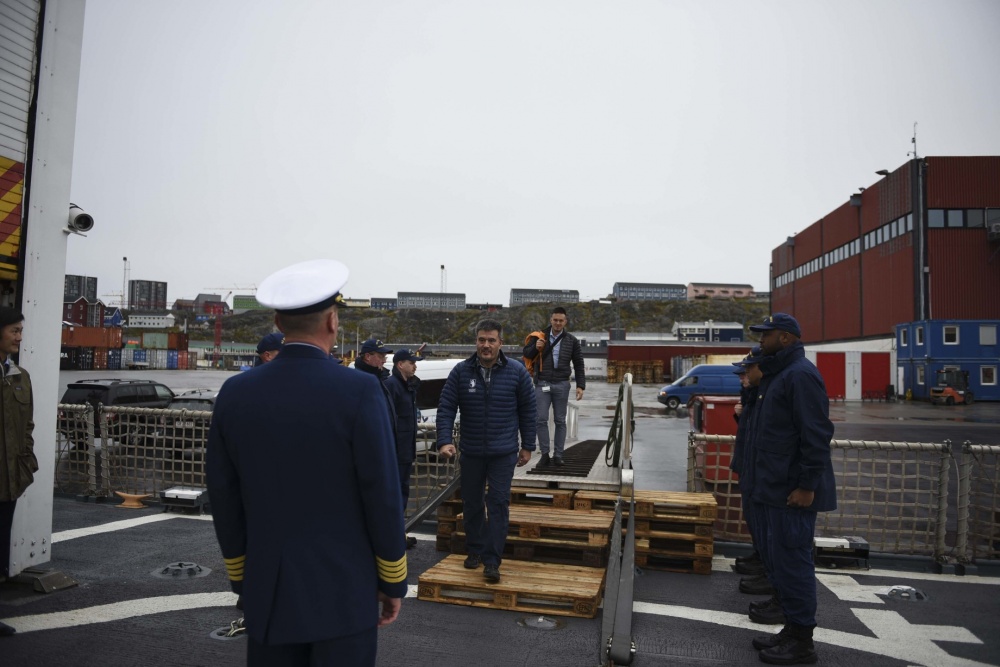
(914, 142)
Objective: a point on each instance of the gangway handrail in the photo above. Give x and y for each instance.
(617, 646)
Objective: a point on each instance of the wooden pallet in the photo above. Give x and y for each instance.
(544, 551)
(446, 527)
(530, 522)
(662, 545)
(449, 509)
(664, 505)
(672, 528)
(443, 543)
(686, 565)
(546, 588)
(561, 498)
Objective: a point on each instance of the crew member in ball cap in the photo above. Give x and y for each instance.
(298, 433)
(268, 347)
(402, 386)
(788, 442)
(371, 358)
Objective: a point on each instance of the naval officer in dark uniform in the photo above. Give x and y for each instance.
(304, 488)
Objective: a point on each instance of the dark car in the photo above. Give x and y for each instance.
(180, 432)
(113, 392)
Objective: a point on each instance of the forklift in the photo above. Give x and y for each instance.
(952, 387)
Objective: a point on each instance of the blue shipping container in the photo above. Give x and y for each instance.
(171, 360)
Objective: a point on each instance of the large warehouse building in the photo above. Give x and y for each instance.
(921, 244)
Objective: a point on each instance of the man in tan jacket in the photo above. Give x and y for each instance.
(17, 457)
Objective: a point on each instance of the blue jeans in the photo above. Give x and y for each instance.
(558, 398)
(487, 537)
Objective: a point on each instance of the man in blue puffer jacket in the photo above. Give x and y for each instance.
(497, 400)
(791, 479)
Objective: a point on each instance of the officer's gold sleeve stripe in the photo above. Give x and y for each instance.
(234, 567)
(392, 572)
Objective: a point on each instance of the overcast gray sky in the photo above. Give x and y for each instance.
(564, 145)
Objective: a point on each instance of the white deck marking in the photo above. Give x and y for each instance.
(895, 637)
(64, 535)
(722, 564)
(849, 590)
(120, 611)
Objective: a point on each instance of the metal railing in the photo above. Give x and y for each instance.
(896, 495)
(146, 451)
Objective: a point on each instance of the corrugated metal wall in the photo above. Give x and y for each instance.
(840, 226)
(965, 274)
(842, 310)
(888, 287)
(18, 26)
(963, 182)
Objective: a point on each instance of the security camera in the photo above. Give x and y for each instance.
(79, 220)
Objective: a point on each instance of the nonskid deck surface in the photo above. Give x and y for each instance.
(120, 614)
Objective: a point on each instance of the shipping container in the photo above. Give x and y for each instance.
(177, 341)
(67, 359)
(154, 340)
(139, 356)
(171, 360)
(182, 360)
(85, 359)
(114, 360)
(100, 358)
(723, 358)
(110, 337)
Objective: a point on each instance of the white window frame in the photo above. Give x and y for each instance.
(982, 375)
(944, 334)
(920, 375)
(920, 336)
(904, 336)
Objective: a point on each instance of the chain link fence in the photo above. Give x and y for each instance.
(898, 496)
(145, 451)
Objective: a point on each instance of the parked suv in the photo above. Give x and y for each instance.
(123, 393)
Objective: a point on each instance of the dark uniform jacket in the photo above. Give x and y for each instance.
(789, 433)
(18, 464)
(404, 402)
(492, 414)
(748, 397)
(569, 352)
(305, 497)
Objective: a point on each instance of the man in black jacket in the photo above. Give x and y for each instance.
(558, 349)
(402, 385)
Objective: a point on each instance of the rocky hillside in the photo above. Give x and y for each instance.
(448, 327)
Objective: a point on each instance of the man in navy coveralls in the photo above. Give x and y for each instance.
(788, 445)
(496, 399)
(304, 489)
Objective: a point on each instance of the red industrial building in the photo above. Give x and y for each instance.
(922, 243)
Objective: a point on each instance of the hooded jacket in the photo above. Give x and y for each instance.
(570, 352)
(789, 432)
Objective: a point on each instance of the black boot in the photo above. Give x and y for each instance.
(758, 585)
(769, 614)
(752, 558)
(795, 648)
(758, 604)
(6, 630)
(751, 568)
(762, 642)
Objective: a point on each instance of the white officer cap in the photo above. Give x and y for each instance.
(307, 287)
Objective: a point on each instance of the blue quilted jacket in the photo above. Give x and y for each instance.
(492, 414)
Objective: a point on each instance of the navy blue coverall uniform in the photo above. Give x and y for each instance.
(788, 447)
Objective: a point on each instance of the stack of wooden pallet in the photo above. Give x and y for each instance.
(556, 557)
(673, 530)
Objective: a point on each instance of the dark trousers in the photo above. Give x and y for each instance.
(355, 650)
(786, 548)
(748, 517)
(404, 482)
(483, 536)
(6, 521)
